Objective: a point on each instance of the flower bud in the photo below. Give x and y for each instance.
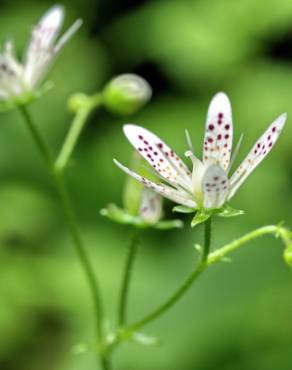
(288, 255)
(77, 101)
(126, 94)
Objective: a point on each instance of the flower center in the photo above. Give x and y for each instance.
(199, 169)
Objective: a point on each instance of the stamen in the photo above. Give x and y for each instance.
(190, 154)
(189, 141)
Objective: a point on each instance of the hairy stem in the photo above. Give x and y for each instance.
(132, 251)
(73, 229)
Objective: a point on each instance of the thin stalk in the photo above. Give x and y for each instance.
(277, 231)
(123, 303)
(187, 283)
(209, 259)
(72, 225)
(42, 147)
(76, 128)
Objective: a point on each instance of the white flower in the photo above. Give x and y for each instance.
(17, 78)
(208, 185)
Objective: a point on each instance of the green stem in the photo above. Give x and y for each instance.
(132, 251)
(44, 150)
(209, 259)
(88, 104)
(72, 225)
(277, 231)
(184, 286)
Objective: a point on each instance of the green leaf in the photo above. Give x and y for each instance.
(201, 216)
(228, 211)
(183, 209)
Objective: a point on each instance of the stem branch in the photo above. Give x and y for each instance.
(277, 231)
(87, 105)
(209, 259)
(73, 229)
(184, 286)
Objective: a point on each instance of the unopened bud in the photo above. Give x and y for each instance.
(77, 101)
(126, 94)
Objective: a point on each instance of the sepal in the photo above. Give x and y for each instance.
(183, 209)
(169, 224)
(25, 98)
(227, 211)
(201, 216)
(121, 216)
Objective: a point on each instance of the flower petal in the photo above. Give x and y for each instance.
(10, 80)
(161, 189)
(218, 131)
(215, 187)
(163, 159)
(40, 48)
(258, 152)
(151, 206)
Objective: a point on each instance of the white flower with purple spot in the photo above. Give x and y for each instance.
(207, 186)
(19, 78)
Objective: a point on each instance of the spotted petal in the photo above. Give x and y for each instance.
(258, 152)
(218, 132)
(163, 159)
(215, 187)
(164, 190)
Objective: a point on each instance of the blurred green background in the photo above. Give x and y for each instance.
(238, 315)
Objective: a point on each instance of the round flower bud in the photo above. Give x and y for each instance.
(126, 94)
(288, 255)
(77, 101)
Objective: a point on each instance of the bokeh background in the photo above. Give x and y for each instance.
(238, 315)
